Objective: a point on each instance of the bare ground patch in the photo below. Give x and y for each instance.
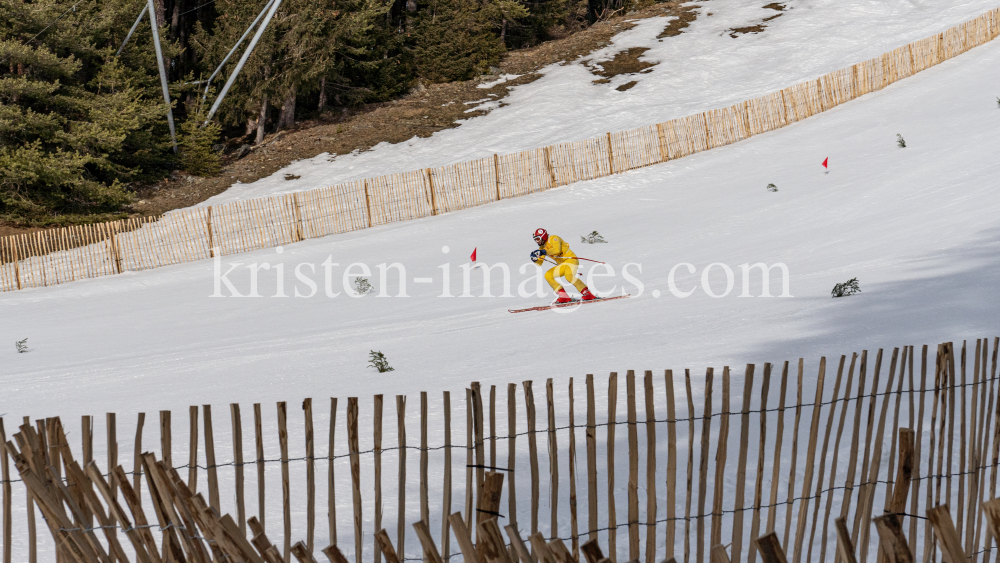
(685, 15)
(624, 62)
(6, 230)
(758, 28)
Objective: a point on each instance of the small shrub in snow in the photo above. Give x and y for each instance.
(900, 142)
(850, 287)
(593, 238)
(21, 345)
(772, 188)
(998, 102)
(377, 360)
(292, 177)
(362, 286)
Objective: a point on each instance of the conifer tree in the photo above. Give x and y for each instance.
(75, 127)
(541, 20)
(81, 126)
(302, 50)
(458, 39)
(247, 101)
(196, 141)
(373, 67)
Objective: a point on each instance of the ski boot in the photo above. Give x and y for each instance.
(586, 295)
(562, 296)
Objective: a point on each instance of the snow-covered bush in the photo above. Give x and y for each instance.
(362, 286)
(900, 142)
(377, 360)
(850, 287)
(21, 345)
(593, 238)
(772, 188)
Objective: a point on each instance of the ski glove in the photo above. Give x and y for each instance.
(536, 255)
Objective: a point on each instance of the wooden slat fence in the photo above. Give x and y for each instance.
(61, 255)
(464, 185)
(821, 466)
(523, 173)
(580, 160)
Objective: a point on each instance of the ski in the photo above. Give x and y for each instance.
(570, 304)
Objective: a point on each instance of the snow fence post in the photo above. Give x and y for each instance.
(548, 165)
(770, 548)
(352, 446)
(664, 153)
(553, 459)
(259, 442)
(650, 467)
(633, 467)
(430, 187)
(285, 492)
(331, 497)
(446, 501)
(377, 447)
(193, 449)
(234, 414)
(401, 442)
(208, 227)
(425, 515)
(298, 225)
(310, 476)
(368, 204)
(496, 174)
(612, 422)
(668, 377)
(591, 438)
(113, 247)
(611, 158)
(210, 467)
(944, 528)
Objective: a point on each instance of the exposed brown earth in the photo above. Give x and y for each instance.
(624, 62)
(685, 15)
(737, 31)
(424, 111)
(6, 229)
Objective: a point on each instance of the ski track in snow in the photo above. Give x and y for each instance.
(701, 69)
(919, 227)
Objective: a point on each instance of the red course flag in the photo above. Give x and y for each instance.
(825, 161)
(474, 253)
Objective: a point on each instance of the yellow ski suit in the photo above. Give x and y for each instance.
(566, 263)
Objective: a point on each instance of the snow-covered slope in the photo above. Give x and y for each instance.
(703, 68)
(918, 226)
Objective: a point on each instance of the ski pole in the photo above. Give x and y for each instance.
(578, 258)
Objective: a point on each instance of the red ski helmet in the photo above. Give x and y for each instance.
(541, 236)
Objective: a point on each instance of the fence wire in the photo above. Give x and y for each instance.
(545, 431)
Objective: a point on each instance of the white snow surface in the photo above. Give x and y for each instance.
(701, 69)
(919, 227)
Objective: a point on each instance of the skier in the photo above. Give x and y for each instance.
(566, 265)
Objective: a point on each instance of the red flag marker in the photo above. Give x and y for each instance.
(825, 161)
(474, 253)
